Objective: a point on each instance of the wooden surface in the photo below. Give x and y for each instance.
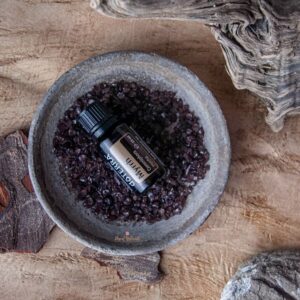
(259, 210)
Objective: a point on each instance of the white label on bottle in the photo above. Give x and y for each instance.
(133, 157)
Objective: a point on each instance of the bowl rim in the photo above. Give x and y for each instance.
(74, 232)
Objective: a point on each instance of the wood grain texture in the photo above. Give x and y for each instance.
(260, 40)
(24, 225)
(260, 207)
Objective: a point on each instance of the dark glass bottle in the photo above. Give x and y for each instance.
(124, 150)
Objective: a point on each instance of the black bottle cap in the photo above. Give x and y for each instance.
(96, 120)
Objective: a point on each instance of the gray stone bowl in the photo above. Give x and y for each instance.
(58, 200)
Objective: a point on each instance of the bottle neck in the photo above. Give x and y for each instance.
(101, 132)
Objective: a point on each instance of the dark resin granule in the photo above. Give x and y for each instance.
(164, 122)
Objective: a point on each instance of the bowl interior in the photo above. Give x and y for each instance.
(154, 72)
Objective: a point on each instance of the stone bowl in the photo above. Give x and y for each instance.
(58, 200)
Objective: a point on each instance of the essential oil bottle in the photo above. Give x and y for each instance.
(123, 149)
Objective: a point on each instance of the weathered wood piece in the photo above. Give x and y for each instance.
(24, 225)
(269, 276)
(143, 268)
(259, 38)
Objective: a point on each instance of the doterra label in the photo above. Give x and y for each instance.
(132, 158)
(122, 173)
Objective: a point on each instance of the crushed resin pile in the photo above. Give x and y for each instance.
(164, 122)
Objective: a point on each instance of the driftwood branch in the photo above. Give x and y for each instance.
(259, 38)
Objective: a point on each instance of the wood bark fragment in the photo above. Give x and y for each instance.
(259, 38)
(4, 197)
(143, 268)
(24, 226)
(24, 137)
(268, 276)
(27, 183)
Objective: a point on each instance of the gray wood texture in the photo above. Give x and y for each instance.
(260, 40)
(144, 268)
(268, 276)
(24, 225)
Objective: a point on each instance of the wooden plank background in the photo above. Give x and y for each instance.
(39, 41)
